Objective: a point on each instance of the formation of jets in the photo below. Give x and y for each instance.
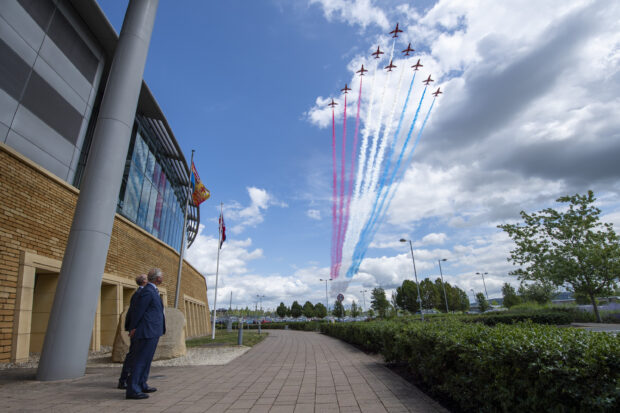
(377, 54)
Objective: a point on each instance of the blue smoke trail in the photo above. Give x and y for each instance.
(388, 158)
(364, 240)
(402, 172)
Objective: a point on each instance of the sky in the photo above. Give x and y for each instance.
(529, 113)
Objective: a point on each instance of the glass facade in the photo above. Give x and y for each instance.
(148, 197)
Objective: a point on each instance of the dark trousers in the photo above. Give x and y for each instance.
(138, 375)
(128, 363)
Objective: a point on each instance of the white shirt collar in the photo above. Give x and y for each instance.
(156, 289)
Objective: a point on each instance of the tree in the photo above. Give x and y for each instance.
(296, 309)
(354, 309)
(538, 292)
(320, 310)
(510, 296)
(568, 248)
(483, 304)
(379, 302)
(338, 310)
(370, 313)
(430, 294)
(281, 310)
(407, 296)
(308, 309)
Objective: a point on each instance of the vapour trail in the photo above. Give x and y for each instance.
(386, 137)
(360, 206)
(380, 194)
(362, 245)
(342, 183)
(375, 140)
(352, 168)
(334, 195)
(354, 228)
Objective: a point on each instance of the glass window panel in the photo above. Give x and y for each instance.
(156, 175)
(140, 153)
(151, 213)
(132, 193)
(144, 203)
(150, 165)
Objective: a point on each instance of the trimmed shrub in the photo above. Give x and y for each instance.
(520, 367)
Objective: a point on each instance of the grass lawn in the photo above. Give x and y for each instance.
(222, 337)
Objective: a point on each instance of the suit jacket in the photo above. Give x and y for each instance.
(148, 315)
(132, 307)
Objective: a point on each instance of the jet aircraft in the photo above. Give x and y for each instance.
(345, 89)
(437, 92)
(428, 81)
(408, 50)
(332, 104)
(396, 31)
(390, 66)
(377, 53)
(362, 71)
(417, 66)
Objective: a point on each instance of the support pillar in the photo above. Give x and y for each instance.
(65, 350)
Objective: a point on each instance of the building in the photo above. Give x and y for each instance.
(55, 57)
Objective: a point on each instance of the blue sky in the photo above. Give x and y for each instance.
(529, 114)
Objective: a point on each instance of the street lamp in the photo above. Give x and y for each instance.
(326, 299)
(260, 300)
(485, 286)
(415, 273)
(364, 297)
(443, 284)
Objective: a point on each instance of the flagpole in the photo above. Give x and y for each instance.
(176, 294)
(217, 270)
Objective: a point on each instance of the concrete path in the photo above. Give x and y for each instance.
(288, 372)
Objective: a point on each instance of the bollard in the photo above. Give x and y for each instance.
(259, 329)
(240, 336)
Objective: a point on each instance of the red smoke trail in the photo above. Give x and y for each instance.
(350, 189)
(342, 182)
(334, 196)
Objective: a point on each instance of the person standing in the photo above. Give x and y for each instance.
(129, 358)
(146, 325)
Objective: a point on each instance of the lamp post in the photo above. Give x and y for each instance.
(415, 273)
(442, 283)
(473, 293)
(260, 300)
(364, 296)
(326, 299)
(485, 286)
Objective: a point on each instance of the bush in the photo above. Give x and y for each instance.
(520, 367)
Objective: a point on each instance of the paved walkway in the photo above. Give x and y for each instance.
(288, 372)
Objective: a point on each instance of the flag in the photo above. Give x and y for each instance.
(199, 192)
(222, 230)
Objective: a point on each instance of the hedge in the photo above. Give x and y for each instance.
(520, 367)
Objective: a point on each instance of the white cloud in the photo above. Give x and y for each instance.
(353, 12)
(253, 214)
(314, 214)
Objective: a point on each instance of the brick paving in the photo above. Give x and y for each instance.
(289, 372)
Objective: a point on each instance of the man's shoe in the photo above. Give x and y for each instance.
(149, 390)
(137, 396)
(121, 385)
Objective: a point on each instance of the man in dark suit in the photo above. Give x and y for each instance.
(122, 381)
(147, 324)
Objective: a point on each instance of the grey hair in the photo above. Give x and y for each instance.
(140, 279)
(154, 274)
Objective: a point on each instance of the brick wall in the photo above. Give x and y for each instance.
(36, 210)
